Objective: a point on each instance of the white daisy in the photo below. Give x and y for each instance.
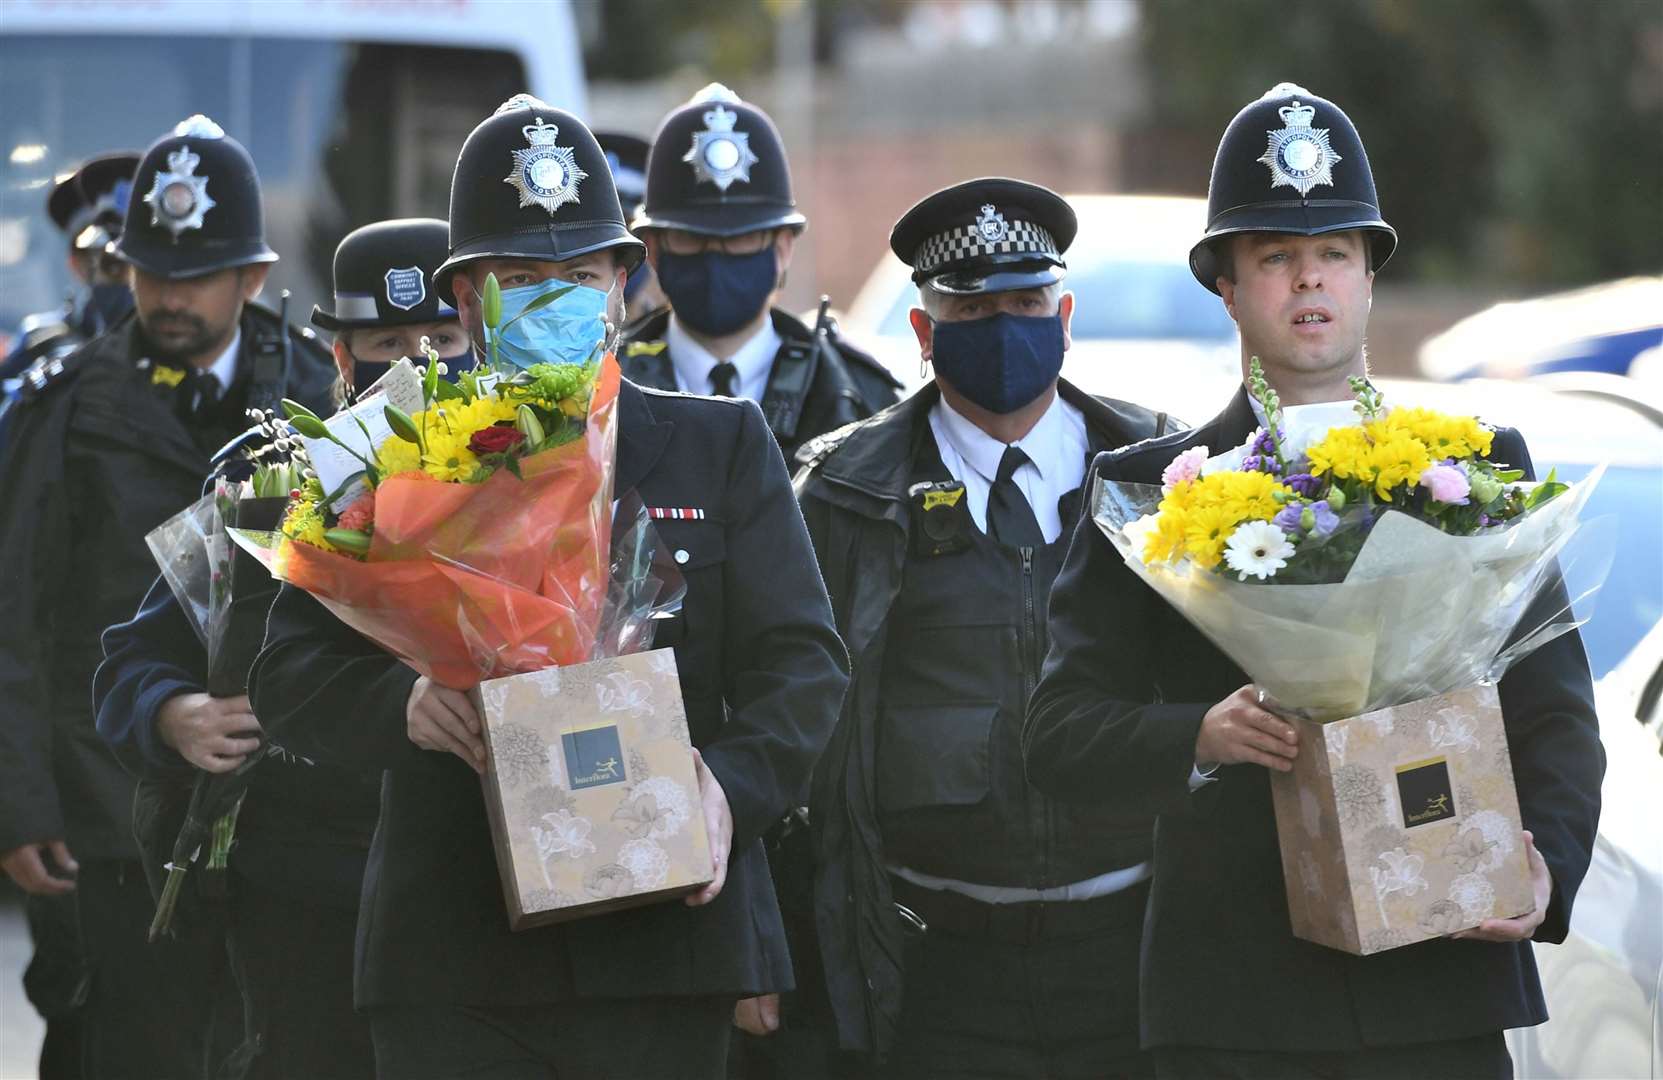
(1259, 548)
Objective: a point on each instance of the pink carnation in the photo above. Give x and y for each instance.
(1448, 484)
(1186, 466)
(360, 515)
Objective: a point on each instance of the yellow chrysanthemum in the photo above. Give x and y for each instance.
(1196, 517)
(1444, 436)
(303, 522)
(446, 429)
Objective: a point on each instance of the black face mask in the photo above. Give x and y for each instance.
(365, 373)
(715, 293)
(1001, 362)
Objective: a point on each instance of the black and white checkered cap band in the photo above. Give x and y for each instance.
(967, 242)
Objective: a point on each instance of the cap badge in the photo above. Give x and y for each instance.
(1299, 155)
(545, 175)
(992, 225)
(406, 287)
(719, 154)
(178, 199)
(198, 126)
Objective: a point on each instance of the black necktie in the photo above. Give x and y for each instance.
(204, 393)
(724, 380)
(1010, 520)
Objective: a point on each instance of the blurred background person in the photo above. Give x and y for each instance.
(626, 154)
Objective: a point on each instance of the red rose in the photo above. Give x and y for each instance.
(496, 440)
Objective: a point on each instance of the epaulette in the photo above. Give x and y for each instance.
(821, 447)
(644, 348)
(47, 372)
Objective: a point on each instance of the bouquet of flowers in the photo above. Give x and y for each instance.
(1374, 574)
(468, 527)
(1352, 566)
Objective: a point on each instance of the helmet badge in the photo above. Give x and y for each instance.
(992, 225)
(545, 175)
(719, 154)
(179, 198)
(1299, 155)
(406, 287)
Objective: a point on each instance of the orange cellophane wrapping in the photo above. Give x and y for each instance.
(467, 582)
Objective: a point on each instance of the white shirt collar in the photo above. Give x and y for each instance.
(1057, 447)
(982, 451)
(224, 367)
(693, 364)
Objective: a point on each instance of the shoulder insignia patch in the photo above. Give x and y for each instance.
(644, 348)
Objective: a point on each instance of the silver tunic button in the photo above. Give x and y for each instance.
(682, 556)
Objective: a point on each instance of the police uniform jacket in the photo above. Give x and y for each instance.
(815, 385)
(97, 455)
(304, 829)
(853, 490)
(1115, 717)
(762, 672)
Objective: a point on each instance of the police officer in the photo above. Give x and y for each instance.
(648, 992)
(384, 303)
(720, 224)
(87, 207)
(627, 156)
(1133, 697)
(939, 525)
(303, 830)
(106, 444)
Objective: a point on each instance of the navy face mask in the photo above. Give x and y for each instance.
(366, 373)
(1002, 362)
(715, 293)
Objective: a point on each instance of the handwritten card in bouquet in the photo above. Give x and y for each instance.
(1402, 824)
(590, 788)
(363, 427)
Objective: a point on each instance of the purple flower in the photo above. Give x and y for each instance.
(1288, 519)
(1447, 483)
(1305, 484)
(1323, 520)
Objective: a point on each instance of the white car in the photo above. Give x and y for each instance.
(1144, 330)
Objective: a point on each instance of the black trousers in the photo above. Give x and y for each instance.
(1052, 1008)
(665, 1038)
(1483, 1056)
(56, 982)
(293, 961)
(153, 1012)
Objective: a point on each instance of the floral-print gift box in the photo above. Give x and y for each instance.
(590, 787)
(1402, 824)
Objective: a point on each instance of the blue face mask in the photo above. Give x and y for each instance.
(566, 331)
(1002, 362)
(715, 293)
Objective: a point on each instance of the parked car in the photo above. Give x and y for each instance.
(1612, 328)
(1143, 328)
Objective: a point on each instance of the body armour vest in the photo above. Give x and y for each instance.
(966, 639)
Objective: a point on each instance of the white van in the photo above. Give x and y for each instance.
(353, 109)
